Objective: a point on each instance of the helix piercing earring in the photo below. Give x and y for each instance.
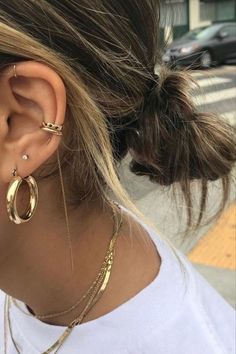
(15, 73)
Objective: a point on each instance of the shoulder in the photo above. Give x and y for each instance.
(205, 314)
(218, 316)
(184, 307)
(2, 300)
(190, 312)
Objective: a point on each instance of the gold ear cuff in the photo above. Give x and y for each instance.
(52, 128)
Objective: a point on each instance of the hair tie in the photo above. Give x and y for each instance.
(154, 82)
(152, 85)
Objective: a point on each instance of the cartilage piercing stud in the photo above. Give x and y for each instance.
(25, 157)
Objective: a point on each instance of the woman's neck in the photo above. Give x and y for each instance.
(35, 263)
(35, 258)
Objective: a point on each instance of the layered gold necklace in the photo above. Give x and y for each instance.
(94, 293)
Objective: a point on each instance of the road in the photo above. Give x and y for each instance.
(217, 94)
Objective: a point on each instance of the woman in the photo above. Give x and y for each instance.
(80, 273)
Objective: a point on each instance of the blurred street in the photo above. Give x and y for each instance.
(217, 91)
(212, 247)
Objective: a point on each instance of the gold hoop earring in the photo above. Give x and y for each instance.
(12, 197)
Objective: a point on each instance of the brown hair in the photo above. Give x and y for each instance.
(106, 52)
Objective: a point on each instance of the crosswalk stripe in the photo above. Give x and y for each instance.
(230, 117)
(220, 70)
(215, 96)
(197, 74)
(219, 95)
(213, 81)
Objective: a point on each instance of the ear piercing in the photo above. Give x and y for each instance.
(52, 128)
(49, 127)
(14, 68)
(14, 171)
(33, 188)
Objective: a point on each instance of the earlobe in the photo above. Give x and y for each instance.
(32, 93)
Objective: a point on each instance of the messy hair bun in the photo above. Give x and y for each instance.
(174, 142)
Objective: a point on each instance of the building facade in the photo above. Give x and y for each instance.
(180, 16)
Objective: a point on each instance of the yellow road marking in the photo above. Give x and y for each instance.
(218, 247)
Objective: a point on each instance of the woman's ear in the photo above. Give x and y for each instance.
(37, 94)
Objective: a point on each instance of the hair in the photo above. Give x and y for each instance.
(106, 53)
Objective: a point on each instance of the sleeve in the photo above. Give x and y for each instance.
(219, 316)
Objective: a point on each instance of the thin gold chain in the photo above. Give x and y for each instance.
(67, 332)
(102, 270)
(58, 314)
(66, 213)
(57, 345)
(93, 299)
(52, 315)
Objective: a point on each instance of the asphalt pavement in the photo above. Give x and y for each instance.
(216, 93)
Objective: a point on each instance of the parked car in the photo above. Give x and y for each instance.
(203, 46)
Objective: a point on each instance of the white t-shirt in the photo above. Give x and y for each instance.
(177, 313)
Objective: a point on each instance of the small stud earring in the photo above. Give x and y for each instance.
(25, 157)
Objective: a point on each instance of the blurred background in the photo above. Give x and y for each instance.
(193, 28)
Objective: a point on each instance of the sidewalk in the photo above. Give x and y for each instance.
(211, 248)
(215, 255)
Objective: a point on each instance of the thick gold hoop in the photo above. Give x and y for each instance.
(12, 195)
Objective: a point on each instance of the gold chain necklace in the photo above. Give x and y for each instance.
(89, 291)
(58, 314)
(99, 288)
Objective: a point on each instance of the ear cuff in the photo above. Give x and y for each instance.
(52, 128)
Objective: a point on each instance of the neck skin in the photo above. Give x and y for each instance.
(35, 258)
